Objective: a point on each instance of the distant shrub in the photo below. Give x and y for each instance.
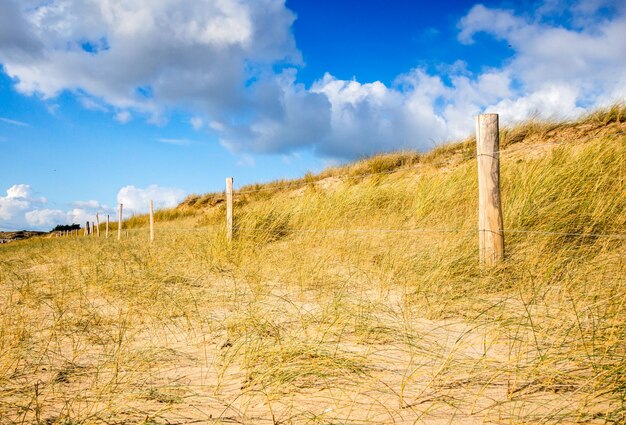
(64, 227)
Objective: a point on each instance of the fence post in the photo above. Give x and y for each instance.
(151, 220)
(86, 229)
(98, 224)
(229, 208)
(490, 223)
(106, 233)
(119, 222)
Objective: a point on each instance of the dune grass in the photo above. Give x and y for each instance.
(348, 298)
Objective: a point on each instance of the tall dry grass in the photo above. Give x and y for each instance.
(356, 298)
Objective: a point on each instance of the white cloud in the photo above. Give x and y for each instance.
(91, 104)
(196, 122)
(83, 215)
(12, 203)
(19, 191)
(146, 55)
(555, 72)
(587, 66)
(214, 59)
(137, 200)
(123, 117)
(44, 218)
(53, 109)
(19, 199)
(14, 122)
(21, 209)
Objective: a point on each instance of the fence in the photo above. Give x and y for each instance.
(491, 231)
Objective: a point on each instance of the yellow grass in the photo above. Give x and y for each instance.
(327, 309)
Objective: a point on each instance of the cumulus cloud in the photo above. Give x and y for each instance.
(584, 67)
(284, 116)
(217, 59)
(22, 209)
(44, 218)
(555, 72)
(145, 54)
(137, 200)
(19, 198)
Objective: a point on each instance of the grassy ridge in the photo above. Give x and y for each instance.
(353, 296)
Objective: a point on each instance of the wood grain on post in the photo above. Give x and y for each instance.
(97, 224)
(119, 222)
(229, 208)
(490, 223)
(106, 233)
(151, 221)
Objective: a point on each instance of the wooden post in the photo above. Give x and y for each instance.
(119, 222)
(106, 233)
(98, 224)
(151, 221)
(87, 229)
(229, 208)
(490, 223)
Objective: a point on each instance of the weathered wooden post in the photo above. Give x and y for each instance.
(490, 223)
(106, 233)
(98, 224)
(86, 228)
(119, 222)
(229, 208)
(151, 221)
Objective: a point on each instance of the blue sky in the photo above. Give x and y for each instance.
(103, 101)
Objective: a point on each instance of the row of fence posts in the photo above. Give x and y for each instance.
(490, 223)
(93, 228)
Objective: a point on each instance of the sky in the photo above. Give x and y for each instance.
(108, 101)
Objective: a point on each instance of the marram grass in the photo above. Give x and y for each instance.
(329, 307)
